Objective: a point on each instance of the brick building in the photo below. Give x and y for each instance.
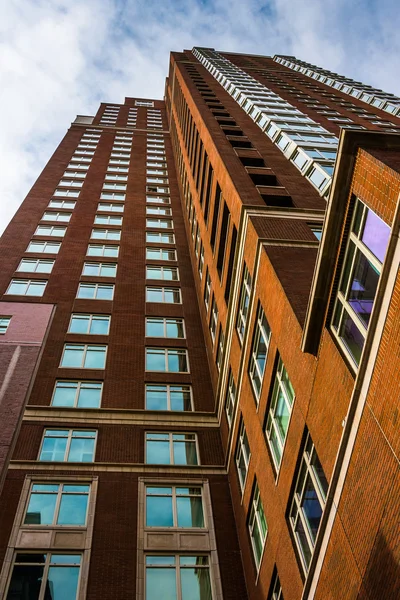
(199, 345)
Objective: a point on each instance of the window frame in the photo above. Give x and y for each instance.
(79, 385)
(162, 269)
(100, 266)
(28, 283)
(85, 352)
(69, 437)
(253, 364)
(96, 287)
(175, 510)
(245, 293)
(178, 321)
(60, 492)
(168, 389)
(241, 451)
(91, 317)
(164, 289)
(254, 521)
(230, 399)
(166, 357)
(171, 446)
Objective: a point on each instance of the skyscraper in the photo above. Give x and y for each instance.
(199, 341)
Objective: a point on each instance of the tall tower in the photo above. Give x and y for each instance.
(197, 334)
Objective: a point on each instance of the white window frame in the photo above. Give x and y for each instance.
(28, 283)
(241, 452)
(106, 234)
(163, 290)
(60, 492)
(254, 522)
(36, 262)
(69, 440)
(165, 322)
(230, 399)
(86, 348)
(52, 231)
(162, 269)
(100, 266)
(79, 385)
(174, 495)
(171, 445)
(103, 247)
(168, 389)
(164, 254)
(166, 351)
(96, 287)
(62, 217)
(44, 244)
(259, 332)
(4, 323)
(90, 318)
(244, 304)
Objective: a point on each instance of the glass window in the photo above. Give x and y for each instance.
(107, 220)
(165, 273)
(68, 445)
(57, 216)
(230, 400)
(51, 231)
(242, 455)
(102, 250)
(62, 203)
(160, 223)
(162, 294)
(213, 319)
(106, 234)
(95, 291)
(100, 269)
(77, 394)
(173, 360)
(366, 248)
(36, 574)
(276, 589)
(160, 238)
(178, 577)
(112, 196)
(110, 207)
(160, 254)
(158, 210)
(90, 324)
(171, 449)
(36, 265)
(259, 351)
(244, 303)
(220, 348)
(57, 504)
(308, 502)
(174, 506)
(4, 323)
(69, 193)
(26, 287)
(164, 327)
(279, 413)
(207, 289)
(168, 397)
(84, 356)
(44, 247)
(257, 525)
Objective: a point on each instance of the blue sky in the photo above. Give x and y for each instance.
(61, 58)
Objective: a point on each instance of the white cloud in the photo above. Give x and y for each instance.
(61, 58)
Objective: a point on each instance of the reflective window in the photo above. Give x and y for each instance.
(178, 577)
(173, 360)
(174, 506)
(279, 413)
(230, 400)
(68, 445)
(84, 356)
(37, 573)
(162, 294)
(106, 234)
(160, 238)
(51, 231)
(165, 273)
(168, 397)
(242, 455)
(110, 207)
(26, 287)
(160, 223)
(107, 220)
(90, 324)
(160, 254)
(258, 357)
(257, 525)
(276, 589)
(95, 291)
(36, 265)
(44, 247)
(100, 269)
(57, 504)
(4, 323)
(164, 327)
(308, 502)
(365, 252)
(171, 449)
(213, 319)
(102, 250)
(243, 303)
(77, 394)
(57, 216)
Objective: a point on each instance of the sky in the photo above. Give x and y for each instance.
(62, 58)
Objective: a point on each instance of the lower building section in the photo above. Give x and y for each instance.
(68, 535)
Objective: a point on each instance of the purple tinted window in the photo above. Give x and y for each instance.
(363, 287)
(376, 235)
(352, 338)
